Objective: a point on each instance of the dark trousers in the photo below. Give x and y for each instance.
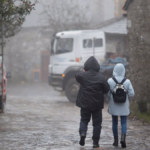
(97, 121)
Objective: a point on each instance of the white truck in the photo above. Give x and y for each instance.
(70, 50)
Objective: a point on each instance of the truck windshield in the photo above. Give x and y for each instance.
(64, 45)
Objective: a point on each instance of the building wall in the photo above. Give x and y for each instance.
(23, 53)
(139, 51)
(118, 7)
(102, 10)
(109, 11)
(97, 11)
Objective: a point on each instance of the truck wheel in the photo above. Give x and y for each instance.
(71, 89)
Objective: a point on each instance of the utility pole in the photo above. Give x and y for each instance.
(2, 28)
(94, 46)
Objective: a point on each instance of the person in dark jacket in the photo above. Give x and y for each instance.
(90, 99)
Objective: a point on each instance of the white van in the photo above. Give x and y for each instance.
(70, 50)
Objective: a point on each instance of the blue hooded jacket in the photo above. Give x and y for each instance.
(119, 109)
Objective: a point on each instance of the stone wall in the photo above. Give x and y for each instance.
(23, 52)
(139, 52)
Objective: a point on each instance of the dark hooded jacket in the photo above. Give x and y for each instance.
(93, 86)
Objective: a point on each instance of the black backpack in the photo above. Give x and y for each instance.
(119, 93)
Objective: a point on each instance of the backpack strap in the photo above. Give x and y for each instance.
(115, 80)
(118, 83)
(123, 81)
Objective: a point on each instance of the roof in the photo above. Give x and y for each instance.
(118, 27)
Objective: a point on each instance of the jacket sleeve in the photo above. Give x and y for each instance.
(130, 90)
(105, 87)
(109, 93)
(78, 77)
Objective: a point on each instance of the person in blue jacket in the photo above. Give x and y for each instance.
(119, 109)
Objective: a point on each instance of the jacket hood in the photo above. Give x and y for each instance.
(119, 70)
(92, 64)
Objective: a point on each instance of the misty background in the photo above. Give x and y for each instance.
(99, 11)
(29, 50)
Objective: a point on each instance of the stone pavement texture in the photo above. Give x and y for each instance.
(38, 118)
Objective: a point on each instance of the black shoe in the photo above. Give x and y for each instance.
(123, 141)
(95, 144)
(82, 140)
(115, 141)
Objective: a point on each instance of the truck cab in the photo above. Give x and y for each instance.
(70, 50)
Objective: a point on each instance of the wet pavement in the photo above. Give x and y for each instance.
(37, 117)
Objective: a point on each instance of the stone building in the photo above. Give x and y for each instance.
(23, 53)
(138, 41)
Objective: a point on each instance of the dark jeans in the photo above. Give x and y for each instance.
(97, 121)
(115, 125)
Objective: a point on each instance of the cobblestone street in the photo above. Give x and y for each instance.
(39, 118)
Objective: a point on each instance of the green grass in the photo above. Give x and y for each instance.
(143, 116)
(136, 112)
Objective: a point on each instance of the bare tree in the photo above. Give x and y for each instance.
(67, 14)
(12, 16)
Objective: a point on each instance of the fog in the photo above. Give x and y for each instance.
(39, 83)
(28, 52)
(58, 37)
(33, 20)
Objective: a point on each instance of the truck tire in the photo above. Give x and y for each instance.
(71, 89)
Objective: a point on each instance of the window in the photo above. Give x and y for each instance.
(98, 42)
(87, 43)
(64, 45)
